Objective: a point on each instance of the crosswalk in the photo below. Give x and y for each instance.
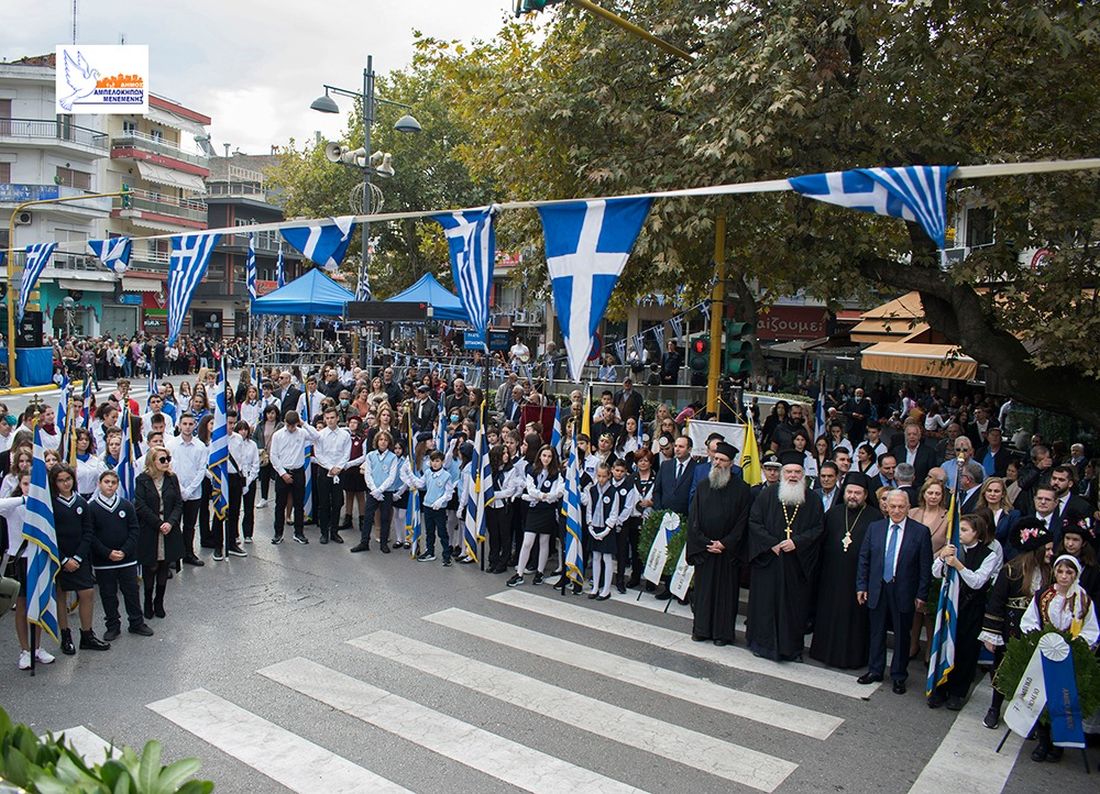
(601, 704)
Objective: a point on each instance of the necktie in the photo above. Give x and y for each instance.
(891, 551)
(679, 470)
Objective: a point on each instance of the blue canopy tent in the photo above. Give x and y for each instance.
(445, 305)
(311, 294)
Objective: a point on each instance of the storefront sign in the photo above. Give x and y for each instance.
(785, 323)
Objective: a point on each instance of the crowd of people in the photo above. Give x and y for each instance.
(847, 536)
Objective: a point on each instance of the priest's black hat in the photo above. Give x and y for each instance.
(792, 457)
(727, 449)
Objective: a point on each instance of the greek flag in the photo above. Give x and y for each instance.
(126, 457)
(86, 419)
(571, 506)
(819, 409)
(38, 255)
(479, 479)
(620, 351)
(915, 193)
(280, 271)
(250, 266)
(659, 335)
(42, 557)
(218, 464)
(307, 510)
(677, 326)
(324, 243)
(639, 346)
(441, 429)
(113, 253)
(942, 653)
(471, 240)
(587, 245)
(362, 289)
(555, 432)
(62, 417)
(186, 268)
(154, 387)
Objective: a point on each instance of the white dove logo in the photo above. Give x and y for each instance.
(81, 78)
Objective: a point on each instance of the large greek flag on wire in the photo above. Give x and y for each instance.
(250, 266)
(587, 245)
(126, 457)
(38, 256)
(323, 242)
(280, 269)
(571, 506)
(113, 253)
(186, 268)
(915, 193)
(42, 557)
(942, 653)
(219, 450)
(471, 240)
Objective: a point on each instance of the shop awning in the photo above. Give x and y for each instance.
(166, 119)
(87, 285)
(167, 176)
(920, 359)
(894, 320)
(134, 284)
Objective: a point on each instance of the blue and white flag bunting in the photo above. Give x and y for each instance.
(186, 268)
(362, 288)
(42, 557)
(280, 269)
(250, 266)
(677, 323)
(471, 240)
(915, 193)
(587, 245)
(323, 242)
(113, 253)
(38, 256)
(126, 457)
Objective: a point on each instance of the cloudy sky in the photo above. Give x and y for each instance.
(253, 66)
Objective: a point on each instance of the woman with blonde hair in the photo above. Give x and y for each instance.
(931, 510)
(159, 506)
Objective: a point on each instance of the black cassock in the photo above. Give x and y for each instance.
(841, 627)
(781, 585)
(717, 515)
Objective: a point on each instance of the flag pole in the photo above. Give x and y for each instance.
(481, 519)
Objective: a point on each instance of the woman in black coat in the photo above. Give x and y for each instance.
(159, 508)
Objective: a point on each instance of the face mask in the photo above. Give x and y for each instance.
(344, 403)
(454, 417)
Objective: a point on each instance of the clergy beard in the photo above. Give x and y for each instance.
(792, 493)
(718, 478)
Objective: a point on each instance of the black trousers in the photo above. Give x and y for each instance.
(328, 501)
(626, 546)
(111, 581)
(226, 534)
(206, 539)
(386, 506)
(293, 492)
(267, 476)
(900, 616)
(191, 509)
(498, 521)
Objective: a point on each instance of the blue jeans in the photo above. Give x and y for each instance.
(435, 523)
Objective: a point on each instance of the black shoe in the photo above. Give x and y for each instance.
(141, 629)
(335, 537)
(90, 642)
(397, 544)
(170, 574)
(899, 687)
(515, 581)
(868, 678)
(236, 551)
(634, 580)
(664, 595)
(697, 638)
(936, 700)
(620, 585)
(592, 595)
(67, 646)
(603, 597)
(955, 703)
(384, 548)
(992, 718)
(426, 556)
(408, 545)
(324, 540)
(447, 562)
(1054, 754)
(538, 578)
(193, 560)
(301, 539)
(358, 547)
(1040, 753)
(721, 643)
(112, 634)
(158, 610)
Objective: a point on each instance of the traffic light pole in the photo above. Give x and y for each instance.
(12, 380)
(717, 311)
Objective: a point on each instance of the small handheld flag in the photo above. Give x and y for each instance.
(38, 532)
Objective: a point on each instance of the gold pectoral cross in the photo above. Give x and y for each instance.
(790, 520)
(846, 542)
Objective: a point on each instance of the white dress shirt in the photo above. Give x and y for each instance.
(332, 449)
(314, 403)
(287, 450)
(147, 424)
(897, 550)
(189, 462)
(250, 412)
(247, 455)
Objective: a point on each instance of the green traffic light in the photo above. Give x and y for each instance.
(737, 348)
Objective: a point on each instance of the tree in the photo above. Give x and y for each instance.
(799, 86)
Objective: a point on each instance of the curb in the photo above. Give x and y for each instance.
(10, 392)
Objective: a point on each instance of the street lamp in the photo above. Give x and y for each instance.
(68, 304)
(326, 104)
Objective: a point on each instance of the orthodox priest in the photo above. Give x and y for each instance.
(785, 527)
(842, 628)
(717, 518)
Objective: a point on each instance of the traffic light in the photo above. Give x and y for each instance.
(736, 361)
(522, 7)
(699, 360)
(126, 203)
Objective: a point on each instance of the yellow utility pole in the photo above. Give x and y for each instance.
(11, 264)
(717, 312)
(630, 27)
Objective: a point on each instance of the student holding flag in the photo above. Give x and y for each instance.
(13, 509)
(544, 492)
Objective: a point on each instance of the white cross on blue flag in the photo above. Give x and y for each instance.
(280, 269)
(471, 240)
(186, 268)
(38, 254)
(915, 193)
(323, 242)
(113, 253)
(587, 245)
(250, 266)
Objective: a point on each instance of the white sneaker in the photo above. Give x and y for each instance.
(43, 656)
(24, 660)
(261, 503)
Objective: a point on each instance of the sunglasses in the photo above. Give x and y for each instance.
(165, 459)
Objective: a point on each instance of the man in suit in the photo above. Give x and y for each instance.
(993, 457)
(916, 453)
(973, 475)
(670, 363)
(674, 479)
(628, 401)
(904, 473)
(287, 393)
(827, 488)
(895, 569)
(424, 410)
(1063, 480)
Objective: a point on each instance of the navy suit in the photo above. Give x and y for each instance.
(671, 493)
(925, 459)
(894, 601)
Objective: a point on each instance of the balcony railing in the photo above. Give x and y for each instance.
(40, 130)
(163, 204)
(139, 140)
(242, 189)
(146, 258)
(266, 242)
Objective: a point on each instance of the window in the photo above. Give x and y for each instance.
(5, 173)
(129, 127)
(72, 240)
(979, 226)
(71, 178)
(5, 117)
(157, 135)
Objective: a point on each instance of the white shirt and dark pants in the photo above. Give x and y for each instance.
(287, 451)
(331, 450)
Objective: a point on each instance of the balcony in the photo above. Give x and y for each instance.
(265, 243)
(161, 206)
(134, 144)
(54, 135)
(143, 257)
(246, 190)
